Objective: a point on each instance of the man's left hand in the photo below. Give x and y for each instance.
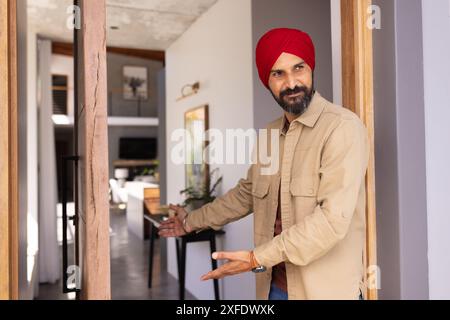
(239, 262)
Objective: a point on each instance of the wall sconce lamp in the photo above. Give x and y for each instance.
(189, 90)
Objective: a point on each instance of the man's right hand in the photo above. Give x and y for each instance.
(173, 227)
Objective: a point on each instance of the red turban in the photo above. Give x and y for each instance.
(275, 42)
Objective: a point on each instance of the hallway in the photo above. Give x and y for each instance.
(129, 269)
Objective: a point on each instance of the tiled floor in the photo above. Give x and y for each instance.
(129, 269)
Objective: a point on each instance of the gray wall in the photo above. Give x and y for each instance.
(411, 151)
(400, 151)
(316, 20)
(117, 106)
(388, 242)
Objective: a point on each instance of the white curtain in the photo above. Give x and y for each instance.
(49, 262)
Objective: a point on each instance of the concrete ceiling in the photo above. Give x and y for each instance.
(144, 24)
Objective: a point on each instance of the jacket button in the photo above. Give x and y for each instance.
(311, 190)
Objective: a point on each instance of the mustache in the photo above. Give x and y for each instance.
(296, 90)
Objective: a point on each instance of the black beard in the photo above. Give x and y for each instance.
(298, 105)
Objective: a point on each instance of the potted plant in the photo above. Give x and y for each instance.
(196, 198)
(149, 174)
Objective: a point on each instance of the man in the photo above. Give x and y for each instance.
(309, 217)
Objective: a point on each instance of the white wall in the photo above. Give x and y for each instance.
(49, 261)
(32, 170)
(22, 130)
(217, 51)
(28, 155)
(436, 43)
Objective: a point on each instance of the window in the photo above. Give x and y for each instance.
(60, 94)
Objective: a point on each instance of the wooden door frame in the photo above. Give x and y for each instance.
(92, 122)
(92, 118)
(9, 191)
(357, 95)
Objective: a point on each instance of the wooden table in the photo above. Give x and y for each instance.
(181, 246)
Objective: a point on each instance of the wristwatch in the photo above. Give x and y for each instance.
(257, 268)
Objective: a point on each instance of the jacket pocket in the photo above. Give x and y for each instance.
(303, 196)
(261, 207)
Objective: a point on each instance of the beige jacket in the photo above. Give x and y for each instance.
(323, 160)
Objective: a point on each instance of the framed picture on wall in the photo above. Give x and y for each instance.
(135, 83)
(197, 170)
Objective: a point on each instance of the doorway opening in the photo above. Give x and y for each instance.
(137, 77)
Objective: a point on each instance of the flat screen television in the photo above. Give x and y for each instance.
(138, 148)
